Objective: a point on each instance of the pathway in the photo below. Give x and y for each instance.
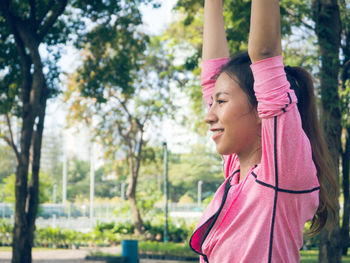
(62, 255)
(73, 256)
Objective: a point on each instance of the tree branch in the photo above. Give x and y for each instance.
(46, 11)
(52, 19)
(139, 151)
(147, 115)
(26, 61)
(130, 117)
(292, 14)
(32, 17)
(10, 140)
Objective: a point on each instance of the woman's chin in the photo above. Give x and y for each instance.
(223, 150)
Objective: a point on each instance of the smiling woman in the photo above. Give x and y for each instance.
(264, 123)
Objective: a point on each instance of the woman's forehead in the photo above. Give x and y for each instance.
(225, 84)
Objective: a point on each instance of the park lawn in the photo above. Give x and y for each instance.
(311, 256)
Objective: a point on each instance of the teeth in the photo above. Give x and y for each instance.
(218, 131)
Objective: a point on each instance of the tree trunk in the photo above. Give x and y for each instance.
(27, 196)
(328, 28)
(20, 251)
(33, 115)
(134, 166)
(131, 194)
(346, 204)
(136, 216)
(346, 151)
(33, 189)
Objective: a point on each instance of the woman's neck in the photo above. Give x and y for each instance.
(247, 160)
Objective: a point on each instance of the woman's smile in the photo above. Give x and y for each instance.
(216, 133)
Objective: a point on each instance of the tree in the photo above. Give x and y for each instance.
(118, 108)
(345, 110)
(326, 15)
(26, 92)
(29, 80)
(78, 179)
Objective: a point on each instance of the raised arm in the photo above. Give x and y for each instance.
(214, 35)
(265, 30)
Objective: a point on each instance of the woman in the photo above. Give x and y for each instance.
(264, 123)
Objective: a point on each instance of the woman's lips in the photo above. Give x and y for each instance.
(217, 133)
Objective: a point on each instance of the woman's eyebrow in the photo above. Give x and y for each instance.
(219, 93)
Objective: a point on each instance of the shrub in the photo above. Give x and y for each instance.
(6, 230)
(167, 249)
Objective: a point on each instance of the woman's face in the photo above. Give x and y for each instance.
(234, 123)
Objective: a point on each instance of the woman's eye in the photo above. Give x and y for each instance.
(220, 101)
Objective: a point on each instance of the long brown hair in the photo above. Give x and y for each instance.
(302, 83)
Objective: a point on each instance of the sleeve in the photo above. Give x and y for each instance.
(286, 161)
(210, 70)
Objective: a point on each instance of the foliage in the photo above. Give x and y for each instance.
(116, 108)
(153, 230)
(115, 19)
(6, 230)
(186, 199)
(185, 171)
(7, 189)
(8, 162)
(188, 169)
(166, 249)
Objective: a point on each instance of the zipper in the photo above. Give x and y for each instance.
(224, 197)
(216, 215)
(213, 218)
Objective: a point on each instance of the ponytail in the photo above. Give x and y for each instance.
(301, 82)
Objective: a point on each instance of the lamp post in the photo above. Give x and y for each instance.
(54, 193)
(199, 196)
(64, 181)
(122, 191)
(92, 183)
(165, 192)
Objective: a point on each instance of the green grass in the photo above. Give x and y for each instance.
(169, 249)
(102, 254)
(311, 256)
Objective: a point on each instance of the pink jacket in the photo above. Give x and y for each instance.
(261, 219)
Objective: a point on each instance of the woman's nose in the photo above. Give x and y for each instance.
(210, 117)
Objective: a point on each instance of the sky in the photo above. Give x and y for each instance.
(76, 143)
(156, 20)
